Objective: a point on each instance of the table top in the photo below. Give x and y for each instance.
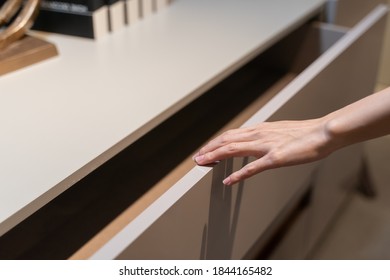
(64, 117)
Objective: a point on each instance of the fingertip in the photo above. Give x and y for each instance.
(199, 159)
(194, 158)
(227, 181)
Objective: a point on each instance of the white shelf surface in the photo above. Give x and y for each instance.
(62, 118)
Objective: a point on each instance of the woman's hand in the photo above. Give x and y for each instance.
(274, 144)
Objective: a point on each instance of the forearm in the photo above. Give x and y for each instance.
(365, 119)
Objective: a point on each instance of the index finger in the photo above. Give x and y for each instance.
(226, 138)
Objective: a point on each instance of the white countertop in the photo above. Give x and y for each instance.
(64, 117)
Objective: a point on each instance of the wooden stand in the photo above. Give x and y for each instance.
(25, 52)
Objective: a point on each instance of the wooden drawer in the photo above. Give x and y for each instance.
(200, 218)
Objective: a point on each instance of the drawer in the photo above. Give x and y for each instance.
(199, 217)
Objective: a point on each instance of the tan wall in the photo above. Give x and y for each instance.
(384, 74)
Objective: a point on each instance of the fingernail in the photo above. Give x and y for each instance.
(199, 159)
(227, 181)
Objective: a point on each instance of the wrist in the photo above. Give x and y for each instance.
(336, 136)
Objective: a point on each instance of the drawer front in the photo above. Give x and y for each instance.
(210, 221)
(199, 218)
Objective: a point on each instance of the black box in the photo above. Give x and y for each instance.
(84, 18)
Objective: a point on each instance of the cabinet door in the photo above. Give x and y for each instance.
(200, 218)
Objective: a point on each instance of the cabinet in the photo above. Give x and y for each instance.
(238, 219)
(286, 66)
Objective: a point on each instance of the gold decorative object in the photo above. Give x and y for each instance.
(18, 50)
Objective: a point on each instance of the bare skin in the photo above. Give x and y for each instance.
(285, 143)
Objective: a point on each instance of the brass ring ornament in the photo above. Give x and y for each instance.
(21, 24)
